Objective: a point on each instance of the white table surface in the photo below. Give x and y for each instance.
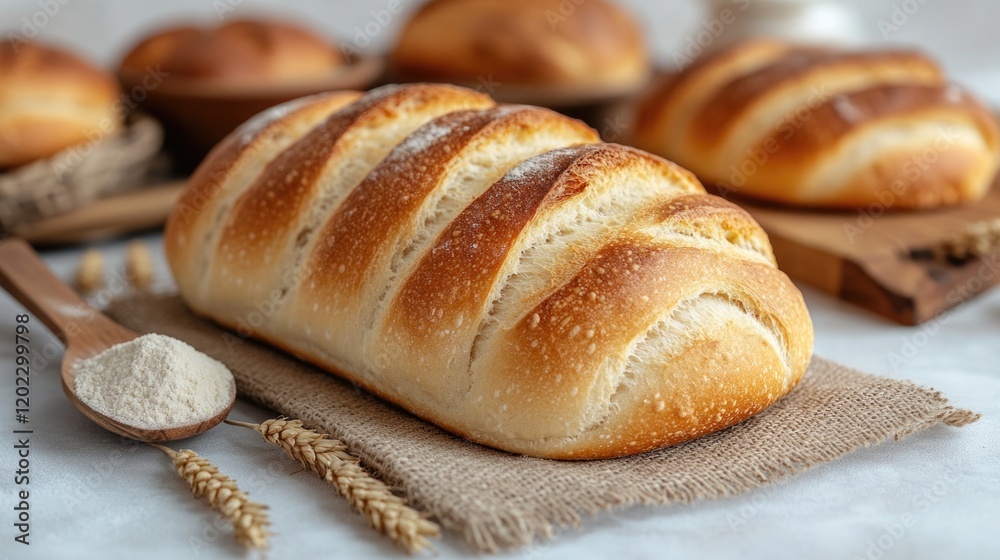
(94, 495)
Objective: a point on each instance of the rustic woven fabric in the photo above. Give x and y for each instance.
(496, 500)
(79, 174)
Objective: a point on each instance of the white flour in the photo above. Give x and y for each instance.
(154, 382)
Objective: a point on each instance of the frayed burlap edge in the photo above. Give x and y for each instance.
(514, 531)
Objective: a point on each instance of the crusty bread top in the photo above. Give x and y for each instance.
(526, 42)
(241, 52)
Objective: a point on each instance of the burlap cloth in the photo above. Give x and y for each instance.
(497, 500)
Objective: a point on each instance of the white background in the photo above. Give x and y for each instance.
(95, 496)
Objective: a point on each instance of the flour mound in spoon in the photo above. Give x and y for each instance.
(154, 382)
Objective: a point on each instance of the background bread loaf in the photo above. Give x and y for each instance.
(826, 128)
(51, 100)
(594, 45)
(493, 269)
(239, 54)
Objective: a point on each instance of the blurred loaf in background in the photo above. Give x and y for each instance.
(51, 100)
(823, 127)
(239, 54)
(210, 79)
(591, 49)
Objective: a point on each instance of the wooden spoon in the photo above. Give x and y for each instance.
(85, 331)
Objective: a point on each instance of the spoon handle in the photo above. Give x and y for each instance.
(29, 281)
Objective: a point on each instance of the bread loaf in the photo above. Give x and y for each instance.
(51, 100)
(594, 45)
(823, 128)
(492, 269)
(241, 54)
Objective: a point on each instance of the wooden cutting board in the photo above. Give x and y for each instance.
(865, 257)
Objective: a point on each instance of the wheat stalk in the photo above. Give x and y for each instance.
(249, 518)
(974, 241)
(386, 512)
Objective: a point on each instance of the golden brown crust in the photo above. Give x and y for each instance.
(711, 217)
(941, 173)
(50, 100)
(824, 128)
(701, 389)
(370, 217)
(525, 42)
(241, 53)
(845, 113)
(665, 114)
(906, 180)
(493, 220)
(495, 271)
(814, 67)
(398, 209)
(702, 75)
(269, 215)
(210, 189)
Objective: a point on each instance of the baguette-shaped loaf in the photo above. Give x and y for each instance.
(823, 128)
(492, 269)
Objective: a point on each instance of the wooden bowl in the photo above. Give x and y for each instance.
(197, 115)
